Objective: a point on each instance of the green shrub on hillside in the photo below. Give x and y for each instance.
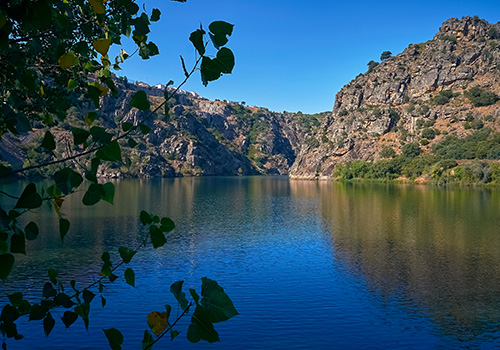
(387, 152)
(481, 97)
(411, 150)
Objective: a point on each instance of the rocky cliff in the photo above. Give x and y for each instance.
(430, 90)
(195, 137)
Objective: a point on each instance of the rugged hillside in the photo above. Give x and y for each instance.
(446, 86)
(197, 137)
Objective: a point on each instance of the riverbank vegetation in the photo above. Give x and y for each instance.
(474, 159)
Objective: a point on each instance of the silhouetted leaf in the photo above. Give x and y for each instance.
(216, 302)
(115, 338)
(201, 327)
(130, 277)
(29, 199)
(93, 195)
(157, 237)
(90, 118)
(180, 296)
(80, 135)
(196, 38)
(52, 276)
(167, 225)
(15, 298)
(109, 192)
(66, 179)
(88, 296)
(146, 219)
(31, 231)
(210, 70)
(173, 334)
(220, 30)
(18, 243)
(6, 263)
(48, 324)
(147, 340)
(48, 141)
(126, 126)
(69, 318)
(126, 254)
(49, 291)
(155, 16)
(144, 128)
(110, 152)
(225, 57)
(63, 227)
(140, 100)
(103, 301)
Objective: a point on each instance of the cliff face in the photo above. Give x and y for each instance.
(202, 137)
(427, 86)
(197, 137)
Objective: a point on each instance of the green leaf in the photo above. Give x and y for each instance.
(15, 298)
(194, 295)
(201, 327)
(210, 70)
(52, 275)
(115, 338)
(48, 290)
(111, 152)
(126, 126)
(180, 296)
(83, 311)
(29, 199)
(145, 217)
(109, 192)
(63, 227)
(69, 318)
(31, 231)
(216, 302)
(66, 179)
(90, 118)
(131, 143)
(6, 263)
(225, 58)
(144, 128)
(173, 334)
(67, 60)
(48, 324)
(88, 296)
(219, 31)
(147, 340)
(102, 45)
(167, 225)
(140, 100)
(103, 301)
(63, 300)
(48, 141)
(157, 321)
(155, 16)
(72, 84)
(93, 195)
(130, 277)
(98, 6)
(126, 254)
(80, 135)
(18, 243)
(22, 123)
(37, 312)
(196, 38)
(157, 237)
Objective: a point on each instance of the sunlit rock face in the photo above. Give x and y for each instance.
(386, 105)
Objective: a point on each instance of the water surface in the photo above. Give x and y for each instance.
(308, 265)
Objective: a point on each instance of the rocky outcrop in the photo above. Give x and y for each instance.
(424, 86)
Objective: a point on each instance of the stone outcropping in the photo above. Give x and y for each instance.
(392, 103)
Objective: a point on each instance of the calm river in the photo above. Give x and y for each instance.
(308, 265)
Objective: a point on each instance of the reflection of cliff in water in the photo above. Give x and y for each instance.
(436, 249)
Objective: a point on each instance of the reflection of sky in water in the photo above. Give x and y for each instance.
(308, 264)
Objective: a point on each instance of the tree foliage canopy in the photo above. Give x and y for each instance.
(55, 55)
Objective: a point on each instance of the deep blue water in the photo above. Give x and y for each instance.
(308, 265)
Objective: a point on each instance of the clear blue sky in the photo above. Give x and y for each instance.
(293, 55)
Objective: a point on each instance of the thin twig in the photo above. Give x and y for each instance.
(169, 328)
(8, 195)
